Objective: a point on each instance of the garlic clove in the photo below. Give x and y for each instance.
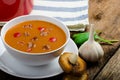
(73, 58)
(99, 49)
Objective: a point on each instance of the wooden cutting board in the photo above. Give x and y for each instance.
(105, 14)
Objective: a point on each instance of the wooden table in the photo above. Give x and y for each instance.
(106, 15)
(108, 68)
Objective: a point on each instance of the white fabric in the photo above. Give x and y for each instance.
(68, 11)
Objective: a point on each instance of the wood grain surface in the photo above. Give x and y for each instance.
(111, 71)
(105, 14)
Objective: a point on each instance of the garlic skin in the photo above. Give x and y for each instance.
(91, 50)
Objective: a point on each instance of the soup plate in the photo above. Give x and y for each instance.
(32, 58)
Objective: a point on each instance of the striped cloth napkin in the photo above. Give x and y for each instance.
(70, 12)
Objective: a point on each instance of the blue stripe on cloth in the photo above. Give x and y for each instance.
(73, 18)
(65, 0)
(60, 9)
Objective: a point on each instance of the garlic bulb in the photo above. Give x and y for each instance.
(91, 50)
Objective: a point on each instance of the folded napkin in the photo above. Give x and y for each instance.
(70, 12)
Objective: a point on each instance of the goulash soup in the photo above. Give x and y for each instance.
(35, 36)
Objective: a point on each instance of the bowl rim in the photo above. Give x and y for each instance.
(30, 53)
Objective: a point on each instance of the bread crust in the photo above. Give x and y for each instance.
(76, 69)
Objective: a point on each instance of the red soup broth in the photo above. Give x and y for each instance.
(35, 36)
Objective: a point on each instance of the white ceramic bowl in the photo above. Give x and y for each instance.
(34, 59)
